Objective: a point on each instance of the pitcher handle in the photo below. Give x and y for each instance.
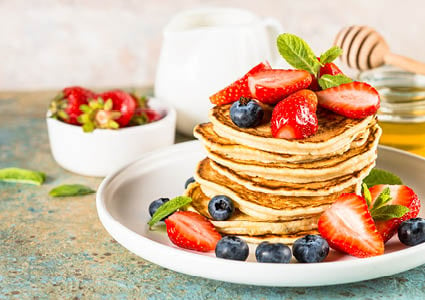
(274, 28)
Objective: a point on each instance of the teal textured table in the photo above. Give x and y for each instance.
(57, 248)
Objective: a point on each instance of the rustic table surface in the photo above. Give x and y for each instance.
(57, 248)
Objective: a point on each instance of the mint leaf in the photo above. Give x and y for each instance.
(367, 195)
(383, 198)
(168, 208)
(378, 176)
(389, 212)
(22, 176)
(69, 190)
(330, 55)
(328, 81)
(297, 53)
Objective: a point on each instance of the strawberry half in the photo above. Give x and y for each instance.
(271, 86)
(348, 227)
(190, 230)
(400, 195)
(353, 100)
(66, 105)
(295, 116)
(237, 89)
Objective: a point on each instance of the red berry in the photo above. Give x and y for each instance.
(123, 103)
(190, 230)
(348, 227)
(237, 89)
(271, 86)
(353, 100)
(329, 69)
(400, 195)
(295, 116)
(66, 105)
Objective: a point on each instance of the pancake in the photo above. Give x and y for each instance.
(229, 149)
(287, 239)
(276, 187)
(335, 132)
(262, 205)
(239, 223)
(349, 162)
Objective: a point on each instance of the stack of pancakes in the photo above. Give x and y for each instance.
(280, 187)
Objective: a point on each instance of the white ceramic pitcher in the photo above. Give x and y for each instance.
(206, 49)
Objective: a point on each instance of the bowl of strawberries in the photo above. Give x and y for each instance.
(93, 134)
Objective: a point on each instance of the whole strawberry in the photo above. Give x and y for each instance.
(110, 110)
(295, 116)
(66, 105)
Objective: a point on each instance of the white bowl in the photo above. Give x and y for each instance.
(102, 151)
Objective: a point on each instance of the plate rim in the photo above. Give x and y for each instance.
(112, 226)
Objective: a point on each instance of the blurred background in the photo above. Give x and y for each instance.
(49, 44)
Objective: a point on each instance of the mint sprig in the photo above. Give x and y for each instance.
(328, 81)
(330, 55)
(381, 211)
(297, 53)
(378, 176)
(168, 208)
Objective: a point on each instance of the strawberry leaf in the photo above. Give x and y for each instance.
(168, 208)
(330, 55)
(383, 198)
(297, 53)
(367, 195)
(389, 212)
(378, 176)
(328, 81)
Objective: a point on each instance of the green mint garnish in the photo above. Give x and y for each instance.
(168, 208)
(330, 55)
(367, 195)
(378, 176)
(389, 212)
(69, 190)
(22, 176)
(380, 210)
(328, 81)
(298, 53)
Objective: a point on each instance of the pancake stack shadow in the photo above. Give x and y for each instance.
(280, 187)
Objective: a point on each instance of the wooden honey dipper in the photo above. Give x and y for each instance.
(364, 48)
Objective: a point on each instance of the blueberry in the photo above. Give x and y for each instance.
(232, 247)
(189, 181)
(221, 208)
(156, 204)
(273, 253)
(412, 232)
(246, 113)
(310, 249)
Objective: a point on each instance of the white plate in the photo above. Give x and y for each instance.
(124, 196)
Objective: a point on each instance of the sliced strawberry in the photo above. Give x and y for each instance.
(353, 100)
(295, 116)
(400, 195)
(122, 102)
(330, 69)
(271, 86)
(66, 105)
(237, 89)
(348, 227)
(190, 230)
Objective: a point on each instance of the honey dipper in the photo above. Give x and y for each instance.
(364, 48)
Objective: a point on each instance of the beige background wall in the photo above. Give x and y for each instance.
(53, 43)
